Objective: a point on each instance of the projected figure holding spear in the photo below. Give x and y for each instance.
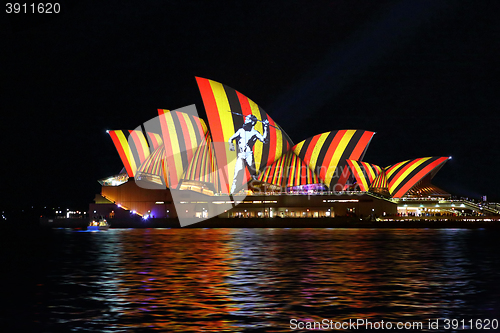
(245, 138)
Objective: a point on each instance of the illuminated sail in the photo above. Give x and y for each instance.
(154, 140)
(226, 110)
(380, 182)
(132, 147)
(203, 166)
(152, 170)
(288, 171)
(327, 154)
(181, 134)
(401, 177)
(365, 173)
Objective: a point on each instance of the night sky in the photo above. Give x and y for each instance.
(422, 74)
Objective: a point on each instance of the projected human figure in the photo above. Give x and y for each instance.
(245, 138)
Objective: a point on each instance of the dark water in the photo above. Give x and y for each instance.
(246, 280)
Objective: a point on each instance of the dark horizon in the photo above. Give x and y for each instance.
(420, 74)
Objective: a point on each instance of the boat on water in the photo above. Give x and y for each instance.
(96, 225)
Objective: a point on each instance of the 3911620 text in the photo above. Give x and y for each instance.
(32, 8)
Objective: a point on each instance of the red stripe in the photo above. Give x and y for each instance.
(303, 175)
(185, 136)
(138, 145)
(216, 129)
(329, 153)
(422, 173)
(397, 165)
(121, 152)
(156, 142)
(310, 148)
(350, 163)
(400, 172)
(200, 170)
(245, 105)
(361, 145)
(368, 170)
(152, 139)
(169, 158)
(343, 177)
(273, 141)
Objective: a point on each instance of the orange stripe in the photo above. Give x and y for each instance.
(331, 150)
(121, 153)
(401, 172)
(185, 136)
(169, 165)
(139, 145)
(361, 145)
(273, 142)
(393, 168)
(215, 128)
(310, 149)
(422, 173)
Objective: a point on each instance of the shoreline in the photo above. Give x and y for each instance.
(338, 222)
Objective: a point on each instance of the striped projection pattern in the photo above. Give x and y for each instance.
(365, 173)
(203, 166)
(132, 147)
(380, 182)
(181, 135)
(154, 140)
(327, 154)
(288, 171)
(402, 176)
(226, 109)
(152, 169)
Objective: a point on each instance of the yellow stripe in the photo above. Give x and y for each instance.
(279, 143)
(371, 171)
(260, 128)
(398, 165)
(191, 130)
(204, 126)
(298, 147)
(227, 124)
(361, 176)
(127, 150)
(144, 144)
(223, 109)
(317, 148)
(172, 133)
(406, 173)
(337, 155)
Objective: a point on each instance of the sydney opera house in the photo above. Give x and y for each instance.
(243, 164)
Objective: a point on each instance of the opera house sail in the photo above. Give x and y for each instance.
(242, 163)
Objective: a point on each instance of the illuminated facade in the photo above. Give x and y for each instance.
(246, 153)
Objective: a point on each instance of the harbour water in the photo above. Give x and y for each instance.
(248, 280)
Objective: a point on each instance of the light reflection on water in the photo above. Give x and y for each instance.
(244, 280)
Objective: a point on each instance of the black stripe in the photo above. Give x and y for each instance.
(389, 179)
(235, 106)
(133, 148)
(293, 170)
(265, 146)
(180, 139)
(324, 148)
(345, 155)
(413, 173)
(305, 148)
(143, 130)
(194, 121)
(352, 145)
